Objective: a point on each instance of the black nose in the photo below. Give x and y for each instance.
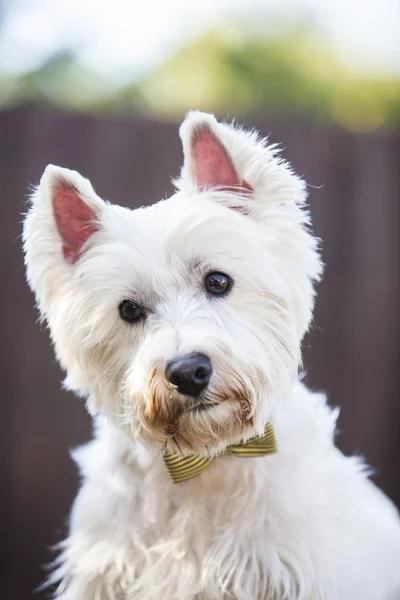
(191, 374)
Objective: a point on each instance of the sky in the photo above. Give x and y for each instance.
(124, 38)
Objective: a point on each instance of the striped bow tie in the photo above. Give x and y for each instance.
(181, 468)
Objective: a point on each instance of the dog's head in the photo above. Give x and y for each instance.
(181, 322)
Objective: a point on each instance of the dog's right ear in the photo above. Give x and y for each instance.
(65, 207)
(64, 215)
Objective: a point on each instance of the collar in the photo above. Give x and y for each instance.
(182, 468)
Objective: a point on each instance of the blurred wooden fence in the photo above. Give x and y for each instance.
(353, 351)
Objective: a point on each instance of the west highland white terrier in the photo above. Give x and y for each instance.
(213, 473)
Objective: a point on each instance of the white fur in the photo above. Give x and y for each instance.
(304, 524)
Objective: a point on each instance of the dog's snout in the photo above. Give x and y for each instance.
(191, 373)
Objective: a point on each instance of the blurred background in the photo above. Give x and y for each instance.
(100, 87)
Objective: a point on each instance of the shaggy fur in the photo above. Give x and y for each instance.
(303, 524)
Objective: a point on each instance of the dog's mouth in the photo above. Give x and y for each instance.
(199, 405)
(195, 423)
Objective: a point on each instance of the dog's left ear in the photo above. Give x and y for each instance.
(207, 160)
(225, 157)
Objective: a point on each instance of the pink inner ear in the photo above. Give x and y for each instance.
(213, 165)
(75, 220)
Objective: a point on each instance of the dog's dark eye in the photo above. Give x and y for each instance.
(217, 283)
(131, 312)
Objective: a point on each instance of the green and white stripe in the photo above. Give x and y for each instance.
(181, 468)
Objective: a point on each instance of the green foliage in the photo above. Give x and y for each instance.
(237, 74)
(231, 71)
(60, 81)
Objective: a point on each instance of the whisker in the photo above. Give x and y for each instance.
(176, 444)
(262, 379)
(200, 403)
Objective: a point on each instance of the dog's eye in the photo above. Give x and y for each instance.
(217, 283)
(131, 312)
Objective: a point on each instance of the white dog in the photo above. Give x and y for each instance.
(181, 324)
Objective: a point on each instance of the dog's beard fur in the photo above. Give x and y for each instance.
(205, 424)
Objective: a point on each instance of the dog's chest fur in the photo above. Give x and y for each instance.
(269, 528)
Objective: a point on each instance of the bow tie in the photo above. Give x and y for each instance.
(181, 468)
